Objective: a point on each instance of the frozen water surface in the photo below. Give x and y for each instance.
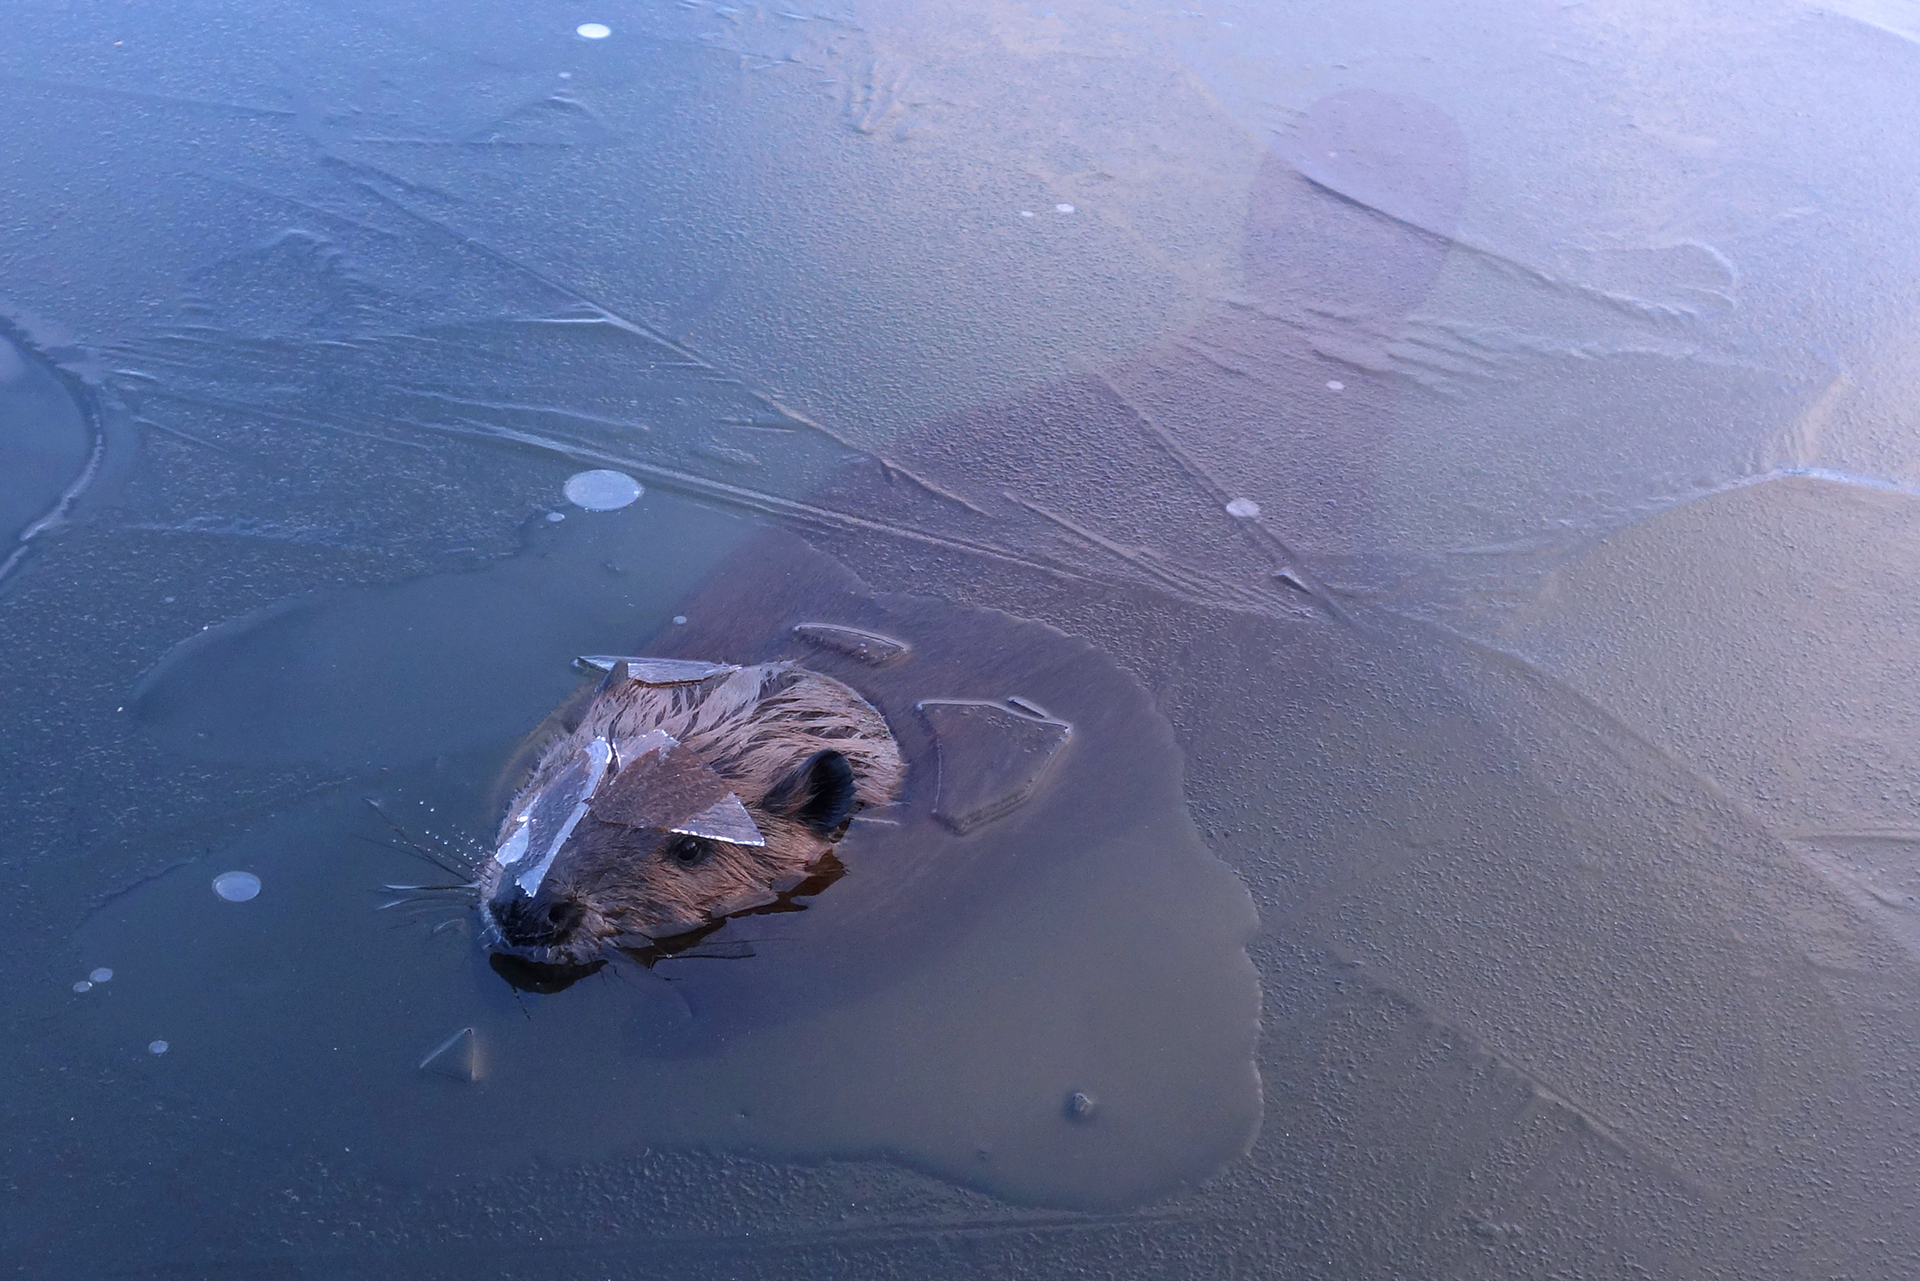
(1552, 710)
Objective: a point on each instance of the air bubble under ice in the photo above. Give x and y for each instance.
(602, 490)
(593, 31)
(236, 887)
(1243, 509)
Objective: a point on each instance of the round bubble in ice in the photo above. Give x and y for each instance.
(157, 1047)
(602, 490)
(1063, 208)
(236, 887)
(593, 30)
(1334, 384)
(83, 986)
(1243, 508)
(101, 975)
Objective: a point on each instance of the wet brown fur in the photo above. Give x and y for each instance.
(753, 727)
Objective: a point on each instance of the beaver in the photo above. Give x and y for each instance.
(686, 792)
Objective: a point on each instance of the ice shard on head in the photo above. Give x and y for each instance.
(724, 820)
(662, 785)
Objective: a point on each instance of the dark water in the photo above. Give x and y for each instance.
(943, 1002)
(1450, 470)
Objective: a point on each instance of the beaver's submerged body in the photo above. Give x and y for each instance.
(687, 792)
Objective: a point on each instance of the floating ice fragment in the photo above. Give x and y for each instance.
(869, 647)
(157, 1047)
(458, 1057)
(1334, 384)
(593, 31)
(658, 671)
(602, 490)
(1243, 508)
(83, 986)
(989, 759)
(236, 887)
(101, 975)
(1063, 208)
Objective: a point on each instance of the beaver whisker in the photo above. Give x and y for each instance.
(419, 902)
(412, 851)
(464, 864)
(465, 887)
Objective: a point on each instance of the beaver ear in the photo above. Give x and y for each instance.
(818, 793)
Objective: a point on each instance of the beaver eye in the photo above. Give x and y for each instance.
(689, 851)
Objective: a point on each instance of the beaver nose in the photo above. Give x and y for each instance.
(535, 921)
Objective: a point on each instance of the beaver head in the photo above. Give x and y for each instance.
(688, 792)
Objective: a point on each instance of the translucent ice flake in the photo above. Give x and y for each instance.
(659, 671)
(557, 807)
(602, 490)
(236, 887)
(1243, 509)
(990, 759)
(458, 1057)
(593, 31)
(869, 647)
